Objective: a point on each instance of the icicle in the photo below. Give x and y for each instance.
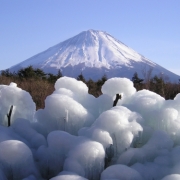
(66, 118)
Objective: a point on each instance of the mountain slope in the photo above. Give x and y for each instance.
(93, 53)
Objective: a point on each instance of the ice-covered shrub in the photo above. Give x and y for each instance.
(172, 177)
(139, 138)
(23, 105)
(151, 170)
(69, 108)
(121, 86)
(86, 159)
(120, 172)
(157, 113)
(70, 153)
(103, 103)
(144, 102)
(51, 157)
(28, 134)
(117, 126)
(65, 175)
(16, 160)
(75, 89)
(148, 152)
(63, 113)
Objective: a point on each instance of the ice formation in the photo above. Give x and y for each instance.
(23, 105)
(77, 136)
(120, 172)
(16, 160)
(71, 153)
(116, 126)
(68, 175)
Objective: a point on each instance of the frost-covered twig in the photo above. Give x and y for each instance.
(9, 116)
(118, 96)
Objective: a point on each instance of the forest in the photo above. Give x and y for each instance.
(40, 84)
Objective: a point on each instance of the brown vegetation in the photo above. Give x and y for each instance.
(38, 88)
(40, 85)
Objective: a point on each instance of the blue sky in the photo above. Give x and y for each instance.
(150, 27)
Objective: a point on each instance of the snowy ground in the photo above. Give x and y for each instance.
(77, 136)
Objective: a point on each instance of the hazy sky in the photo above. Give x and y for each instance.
(150, 27)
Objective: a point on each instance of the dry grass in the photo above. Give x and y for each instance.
(38, 89)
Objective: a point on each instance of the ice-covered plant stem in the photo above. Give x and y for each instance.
(9, 115)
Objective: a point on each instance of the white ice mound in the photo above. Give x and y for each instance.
(77, 87)
(117, 126)
(121, 86)
(86, 159)
(24, 129)
(145, 101)
(159, 141)
(63, 113)
(77, 90)
(23, 105)
(68, 176)
(16, 159)
(172, 177)
(174, 104)
(69, 108)
(71, 83)
(120, 172)
(79, 155)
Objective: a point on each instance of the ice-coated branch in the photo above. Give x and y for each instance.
(118, 96)
(9, 115)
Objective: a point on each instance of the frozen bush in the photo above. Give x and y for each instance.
(145, 102)
(70, 153)
(65, 175)
(150, 170)
(120, 172)
(116, 126)
(24, 129)
(86, 159)
(78, 91)
(71, 84)
(121, 86)
(141, 133)
(172, 177)
(16, 160)
(63, 113)
(23, 105)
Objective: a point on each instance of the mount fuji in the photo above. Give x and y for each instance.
(94, 54)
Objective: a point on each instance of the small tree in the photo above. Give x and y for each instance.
(158, 85)
(137, 81)
(59, 74)
(102, 80)
(29, 72)
(81, 78)
(147, 76)
(6, 73)
(39, 73)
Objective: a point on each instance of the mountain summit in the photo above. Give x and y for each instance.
(93, 53)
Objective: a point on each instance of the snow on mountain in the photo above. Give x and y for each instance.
(93, 53)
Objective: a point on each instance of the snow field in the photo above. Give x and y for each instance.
(77, 136)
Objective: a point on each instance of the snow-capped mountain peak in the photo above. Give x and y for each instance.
(90, 51)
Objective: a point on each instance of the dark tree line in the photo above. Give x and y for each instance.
(157, 84)
(32, 73)
(40, 84)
